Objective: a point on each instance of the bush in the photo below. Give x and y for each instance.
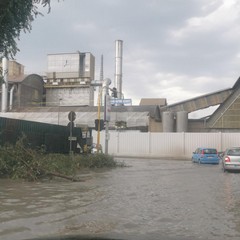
(96, 161)
(19, 161)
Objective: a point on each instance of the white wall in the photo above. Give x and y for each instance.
(169, 145)
(66, 96)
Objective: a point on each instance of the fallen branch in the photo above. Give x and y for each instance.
(73, 179)
(33, 170)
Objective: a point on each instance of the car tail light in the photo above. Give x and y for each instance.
(227, 159)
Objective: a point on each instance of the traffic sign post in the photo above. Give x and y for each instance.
(107, 111)
(71, 118)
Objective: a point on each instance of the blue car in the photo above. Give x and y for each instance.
(205, 155)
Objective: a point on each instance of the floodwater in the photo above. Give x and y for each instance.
(150, 199)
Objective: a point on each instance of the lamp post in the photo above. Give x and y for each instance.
(107, 111)
(107, 106)
(98, 133)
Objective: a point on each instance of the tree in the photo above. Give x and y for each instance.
(17, 16)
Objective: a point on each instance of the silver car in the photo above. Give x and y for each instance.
(231, 159)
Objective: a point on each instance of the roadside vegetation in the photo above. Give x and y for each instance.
(21, 162)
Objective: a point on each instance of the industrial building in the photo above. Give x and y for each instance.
(70, 83)
(69, 77)
(22, 90)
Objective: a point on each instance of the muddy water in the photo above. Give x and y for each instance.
(151, 199)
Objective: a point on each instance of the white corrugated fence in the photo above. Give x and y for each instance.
(169, 145)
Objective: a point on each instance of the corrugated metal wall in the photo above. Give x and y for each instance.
(136, 144)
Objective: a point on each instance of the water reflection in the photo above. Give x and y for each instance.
(232, 196)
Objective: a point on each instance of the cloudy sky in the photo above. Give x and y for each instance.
(173, 49)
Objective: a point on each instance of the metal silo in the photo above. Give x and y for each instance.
(168, 121)
(182, 121)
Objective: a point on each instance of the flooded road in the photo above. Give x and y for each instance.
(151, 199)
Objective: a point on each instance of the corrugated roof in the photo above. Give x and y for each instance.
(53, 116)
(152, 110)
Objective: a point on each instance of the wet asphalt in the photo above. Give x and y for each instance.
(149, 199)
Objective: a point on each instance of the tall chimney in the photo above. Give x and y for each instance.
(118, 67)
(101, 69)
(5, 84)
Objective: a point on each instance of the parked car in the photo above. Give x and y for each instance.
(205, 155)
(231, 159)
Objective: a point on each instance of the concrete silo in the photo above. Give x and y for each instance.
(168, 121)
(182, 121)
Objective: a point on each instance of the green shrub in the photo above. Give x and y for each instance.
(19, 161)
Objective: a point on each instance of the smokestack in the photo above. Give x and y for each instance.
(118, 67)
(5, 84)
(101, 69)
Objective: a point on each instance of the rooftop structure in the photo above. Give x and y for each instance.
(21, 90)
(69, 77)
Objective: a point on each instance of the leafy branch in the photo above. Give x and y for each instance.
(17, 16)
(21, 162)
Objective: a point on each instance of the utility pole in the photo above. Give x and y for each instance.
(107, 110)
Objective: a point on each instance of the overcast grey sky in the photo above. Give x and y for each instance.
(173, 49)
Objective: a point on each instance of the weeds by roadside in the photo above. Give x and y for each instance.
(21, 162)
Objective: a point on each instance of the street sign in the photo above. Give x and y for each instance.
(72, 138)
(72, 116)
(121, 102)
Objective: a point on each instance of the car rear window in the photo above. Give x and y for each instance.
(210, 151)
(234, 152)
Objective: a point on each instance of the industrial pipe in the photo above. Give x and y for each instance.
(4, 84)
(11, 97)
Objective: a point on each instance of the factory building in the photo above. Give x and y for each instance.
(69, 77)
(22, 90)
(67, 83)
(69, 86)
